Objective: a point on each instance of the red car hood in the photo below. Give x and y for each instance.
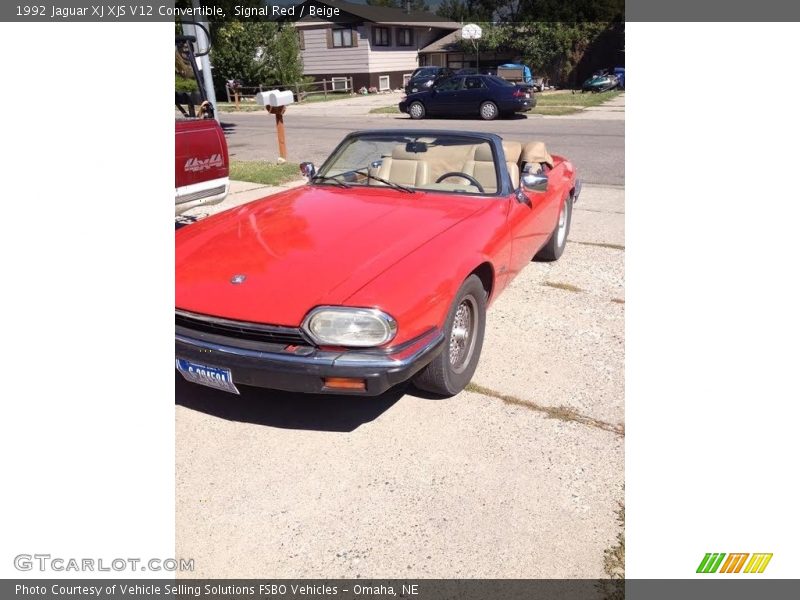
(302, 248)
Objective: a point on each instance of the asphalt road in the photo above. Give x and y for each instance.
(597, 147)
(520, 476)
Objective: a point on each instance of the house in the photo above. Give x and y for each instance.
(448, 52)
(375, 45)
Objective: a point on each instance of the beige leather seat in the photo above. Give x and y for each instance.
(536, 155)
(407, 168)
(512, 150)
(481, 167)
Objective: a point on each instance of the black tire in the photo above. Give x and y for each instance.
(416, 110)
(488, 111)
(554, 247)
(451, 371)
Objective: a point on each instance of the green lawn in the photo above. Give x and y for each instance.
(243, 107)
(386, 110)
(567, 98)
(267, 173)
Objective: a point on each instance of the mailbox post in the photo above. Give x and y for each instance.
(275, 102)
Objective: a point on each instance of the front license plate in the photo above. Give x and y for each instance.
(214, 377)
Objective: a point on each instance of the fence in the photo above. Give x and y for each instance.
(302, 91)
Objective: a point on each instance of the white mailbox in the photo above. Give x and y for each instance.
(275, 98)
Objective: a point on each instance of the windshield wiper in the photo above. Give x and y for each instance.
(394, 184)
(330, 178)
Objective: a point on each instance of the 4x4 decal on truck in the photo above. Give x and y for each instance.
(195, 165)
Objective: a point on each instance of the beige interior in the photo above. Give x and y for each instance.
(535, 153)
(404, 167)
(512, 150)
(422, 169)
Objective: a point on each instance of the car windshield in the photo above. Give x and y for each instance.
(425, 72)
(444, 162)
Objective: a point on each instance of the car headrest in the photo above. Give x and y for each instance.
(484, 153)
(512, 150)
(400, 153)
(536, 152)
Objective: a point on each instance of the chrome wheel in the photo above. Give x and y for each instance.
(561, 232)
(416, 110)
(488, 111)
(462, 334)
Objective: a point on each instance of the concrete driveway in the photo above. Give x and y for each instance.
(521, 475)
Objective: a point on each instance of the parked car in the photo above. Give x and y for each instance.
(620, 73)
(600, 81)
(378, 271)
(424, 77)
(475, 71)
(484, 95)
(201, 152)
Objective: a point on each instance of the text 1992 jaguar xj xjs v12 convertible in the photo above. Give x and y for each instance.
(378, 271)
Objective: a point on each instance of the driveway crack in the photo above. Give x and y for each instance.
(562, 413)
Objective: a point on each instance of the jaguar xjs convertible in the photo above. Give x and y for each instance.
(377, 271)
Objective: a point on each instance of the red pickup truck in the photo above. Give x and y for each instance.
(201, 163)
(201, 152)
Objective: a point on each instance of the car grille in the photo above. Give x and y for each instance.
(254, 332)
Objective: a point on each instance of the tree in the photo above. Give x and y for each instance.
(257, 52)
(466, 11)
(416, 5)
(283, 64)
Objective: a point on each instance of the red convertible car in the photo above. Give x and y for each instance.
(378, 271)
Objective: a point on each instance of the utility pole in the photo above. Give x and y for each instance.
(203, 43)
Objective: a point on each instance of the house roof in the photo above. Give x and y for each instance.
(448, 43)
(382, 14)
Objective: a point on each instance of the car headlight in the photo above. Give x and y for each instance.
(341, 326)
(428, 83)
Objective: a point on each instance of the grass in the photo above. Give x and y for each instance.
(243, 107)
(577, 99)
(386, 110)
(601, 245)
(555, 110)
(562, 413)
(614, 560)
(263, 172)
(567, 287)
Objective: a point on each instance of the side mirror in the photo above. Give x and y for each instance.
(307, 169)
(534, 182)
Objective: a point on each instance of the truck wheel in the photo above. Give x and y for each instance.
(451, 371)
(416, 110)
(489, 110)
(554, 247)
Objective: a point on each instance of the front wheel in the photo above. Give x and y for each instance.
(416, 110)
(451, 371)
(554, 247)
(489, 111)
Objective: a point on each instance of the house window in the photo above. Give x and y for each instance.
(383, 83)
(381, 36)
(406, 79)
(405, 36)
(342, 38)
(339, 84)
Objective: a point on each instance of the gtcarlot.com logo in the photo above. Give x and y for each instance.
(46, 562)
